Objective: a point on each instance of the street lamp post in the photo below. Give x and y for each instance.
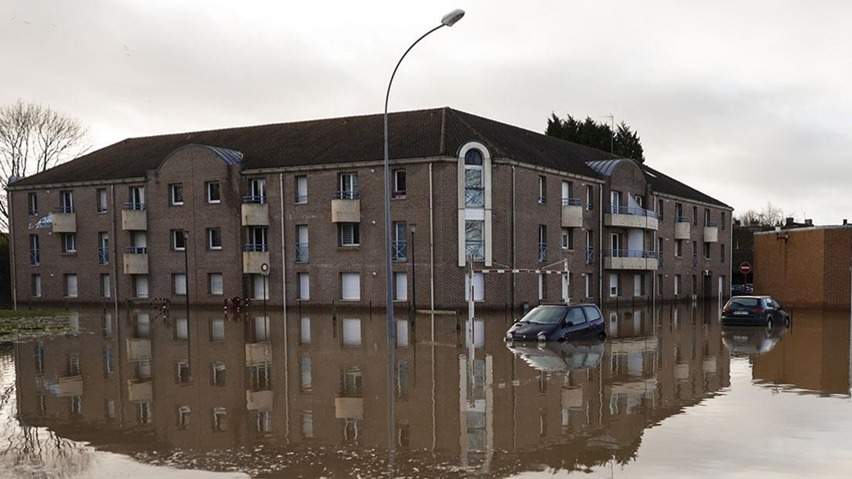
(448, 20)
(413, 301)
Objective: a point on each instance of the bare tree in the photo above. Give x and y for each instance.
(34, 138)
(768, 216)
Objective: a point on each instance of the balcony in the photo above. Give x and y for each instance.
(711, 233)
(64, 220)
(254, 257)
(259, 400)
(631, 217)
(636, 260)
(346, 207)
(258, 353)
(139, 390)
(682, 229)
(138, 349)
(134, 217)
(136, 260)
(348, 408)
(66, 386)
(254, 211)
(572, 213)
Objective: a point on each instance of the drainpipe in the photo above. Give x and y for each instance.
(431, 250)
(512, 284)
(12, 271)
(600, 243)
(114, 282)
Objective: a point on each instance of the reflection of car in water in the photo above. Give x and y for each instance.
(558, 323)
(755, 310)
(742, 289)
(751, 340)
(561, 356)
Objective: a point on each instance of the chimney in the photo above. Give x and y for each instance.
(845, 222)
(789, 222)
(809, 222)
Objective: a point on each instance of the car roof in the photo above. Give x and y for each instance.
(577, 305)
(753, 296)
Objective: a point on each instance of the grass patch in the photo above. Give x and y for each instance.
(24, 325)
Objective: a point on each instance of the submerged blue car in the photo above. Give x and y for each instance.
(558, 322)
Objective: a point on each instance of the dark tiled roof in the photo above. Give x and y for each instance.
(413, 134)
(666, 184)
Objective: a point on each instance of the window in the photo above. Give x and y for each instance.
(137, 198)
(106, 286)
(215, 283)
(400, 250)
(399, 186)
(351, 333)
(257, 191)
(217, 329)
(567, 193)
(109, 409)
(179, 284)
(474, 184)
(590, 197)
(302, 246)
(184, 414)
(474, 239)
(567, 238)
(305, 374)
(178, 240)
(707, 250)
(307, 424)
(143, 412)
(259, 286)
(402, 333)
(304, 292)
(101, 199)
(305, 330)
(138, 242)
(677, 285)
(176, 194)
(400, 290)
(220, 419)
(679, 213)
(722, 252)
(69, 243)
(66, 201)
(348, 234)
(722, 220)
(76, 405)
(217, 373)
(542, 243)
(660, 209)
(301, 189)
(35, 286)
(614, 201)
(181, 328)
(542, 189)
(214, 192)
(542, 287)
(107, 324)
(214, 238)
(183, 373)
(70, 285)
(350, 286)
(256, 239)
(35, 256)
(347, 186)
(263, 421)
(587, 285)
(613, 285)
(695, 215)
(694, 249)
(706, 217)
(32, 202)
(478, 287)
(678, 248)
(140, 285)
(103, 248)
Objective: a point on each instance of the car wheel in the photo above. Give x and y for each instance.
(770, 321)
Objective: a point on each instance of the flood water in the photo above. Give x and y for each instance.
(669, 393)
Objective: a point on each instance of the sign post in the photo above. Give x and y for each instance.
(745, 269)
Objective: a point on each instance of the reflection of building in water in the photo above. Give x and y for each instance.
(813, 355)
(318, 386)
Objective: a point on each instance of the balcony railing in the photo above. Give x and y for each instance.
(632, 210)
(35, 257)
(257, 199)
(474, 249)
(572, 202)
(590, 255)
(347, 195)
(302, 253)
(255, 247)
(681, 219)
(630, 253)
(474, 197)
(710, 224)
(137, 250)
(103, 256)
(400, 250)
(542, 252)
(64, 209)
(134, 205)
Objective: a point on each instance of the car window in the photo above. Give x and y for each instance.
(592, 313)
(744, 303)
(575, 315)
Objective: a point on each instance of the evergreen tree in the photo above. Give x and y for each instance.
(623, 142)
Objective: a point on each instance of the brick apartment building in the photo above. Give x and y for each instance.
(293, 213)
(805, 267)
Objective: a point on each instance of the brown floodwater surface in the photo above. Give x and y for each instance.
(670, 392)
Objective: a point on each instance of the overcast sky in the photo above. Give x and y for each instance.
(749, 101)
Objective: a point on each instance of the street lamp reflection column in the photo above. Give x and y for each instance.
(448, 20)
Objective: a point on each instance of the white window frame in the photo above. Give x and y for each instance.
(174, 237)
(342, 236)
(304, 289)
(400, 286)
(397, 192)
(173, 189)
(350, 286)
(212, 280)
(178, 283)
(71, 280)
(102, 200)
(301, 189)
(208, 188)
(210, 233)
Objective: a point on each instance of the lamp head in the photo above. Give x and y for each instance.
(451, 18)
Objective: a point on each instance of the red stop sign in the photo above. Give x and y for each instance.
(745, 267)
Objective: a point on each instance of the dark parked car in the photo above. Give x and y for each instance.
(755, 310)
(562, 356)
(744, 289)
(558, 323)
